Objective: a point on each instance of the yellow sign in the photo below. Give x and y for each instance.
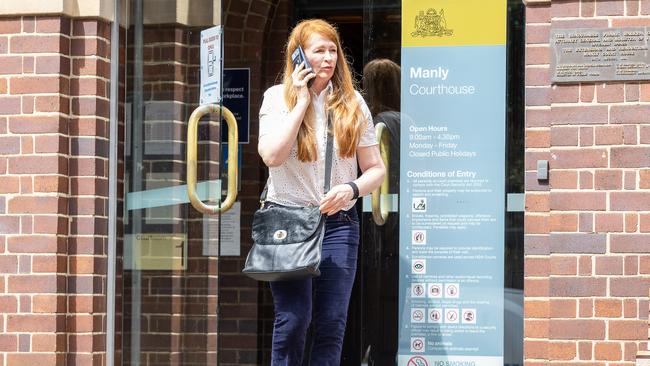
(453, 22)
(159, 251)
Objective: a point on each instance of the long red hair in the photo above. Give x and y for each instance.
(348, 120)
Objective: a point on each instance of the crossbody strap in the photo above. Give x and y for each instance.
(328, 155)
(328, 162)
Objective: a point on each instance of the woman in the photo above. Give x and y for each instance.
(381, 85)
(293, 131)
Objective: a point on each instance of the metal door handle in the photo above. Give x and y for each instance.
(379, 198)
(233, 144)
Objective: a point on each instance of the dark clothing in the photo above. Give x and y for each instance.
(331, 296)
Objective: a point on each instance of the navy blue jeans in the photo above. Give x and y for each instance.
(322, 300)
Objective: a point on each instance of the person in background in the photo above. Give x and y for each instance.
(381, 86)
(381, 90)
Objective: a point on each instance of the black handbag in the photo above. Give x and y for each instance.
(287, 240)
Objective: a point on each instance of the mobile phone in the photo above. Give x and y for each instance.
(298, 57)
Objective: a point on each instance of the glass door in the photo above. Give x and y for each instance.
(173, 205)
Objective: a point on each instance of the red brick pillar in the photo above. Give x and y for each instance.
(53, 178)
(586, 266)
(536, 218)
(88, 202)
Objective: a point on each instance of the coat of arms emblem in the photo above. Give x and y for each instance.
(431, 24)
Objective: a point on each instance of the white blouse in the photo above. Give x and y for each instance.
(300, 183)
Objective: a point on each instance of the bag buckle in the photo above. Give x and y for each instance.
(280, 235)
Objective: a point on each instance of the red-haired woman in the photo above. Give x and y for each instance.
(292, 141)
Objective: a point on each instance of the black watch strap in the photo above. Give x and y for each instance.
(355, 189)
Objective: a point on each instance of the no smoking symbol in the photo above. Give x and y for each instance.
(417, 361)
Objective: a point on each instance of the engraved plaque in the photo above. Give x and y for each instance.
(156, 251)
(599, 54)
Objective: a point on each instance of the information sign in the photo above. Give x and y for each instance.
(236, 97)
(230, 239)
(211, 41)
(452, 183)
(221, 233)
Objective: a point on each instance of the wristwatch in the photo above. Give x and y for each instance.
(355, 190)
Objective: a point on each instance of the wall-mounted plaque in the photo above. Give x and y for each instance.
(600, 54)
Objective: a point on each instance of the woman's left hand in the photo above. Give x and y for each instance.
(336, 199)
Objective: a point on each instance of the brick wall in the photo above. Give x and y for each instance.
(53, 189)
(587, 270)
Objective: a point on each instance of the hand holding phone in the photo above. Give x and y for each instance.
(298, 57)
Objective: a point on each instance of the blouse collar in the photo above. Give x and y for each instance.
(328, 89)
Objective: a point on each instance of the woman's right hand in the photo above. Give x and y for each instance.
(300, 77)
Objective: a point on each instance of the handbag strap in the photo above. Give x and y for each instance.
(328, 162)
(328, 156)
